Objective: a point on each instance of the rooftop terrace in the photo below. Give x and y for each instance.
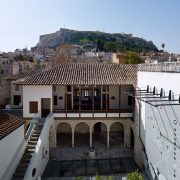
(173, 67)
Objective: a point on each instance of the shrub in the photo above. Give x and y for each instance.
(134, 176)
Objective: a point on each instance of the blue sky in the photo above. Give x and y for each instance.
(22, 21)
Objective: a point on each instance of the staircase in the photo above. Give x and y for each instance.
(31, 146)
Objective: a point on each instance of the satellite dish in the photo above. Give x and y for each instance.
(161, 177)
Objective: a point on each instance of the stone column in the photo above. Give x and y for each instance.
(127, 136)
(107, 138)
(90, 136)
(72, 138)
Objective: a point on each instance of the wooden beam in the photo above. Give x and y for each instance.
(66, 99)
(79, 101)
(119, 99)
(106, 100)
(93, 101)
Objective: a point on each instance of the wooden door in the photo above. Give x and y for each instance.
(45, 106)
(104, 101)
(69, 101)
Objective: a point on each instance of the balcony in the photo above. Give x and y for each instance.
(114, 113)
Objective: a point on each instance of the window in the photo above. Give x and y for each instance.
(130, 100)
(105, 88)
(68, 88)
(16, 87)
(86, 92)
(33, 107)
(55, 100)
(17, 99)
(76, 92)
(96, 92)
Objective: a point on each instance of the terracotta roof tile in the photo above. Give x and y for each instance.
(25, 74)
(85, 74)
(9, 123)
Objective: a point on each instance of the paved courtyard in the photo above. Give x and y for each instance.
(64, 151)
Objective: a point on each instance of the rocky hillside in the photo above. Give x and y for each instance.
(102, 41)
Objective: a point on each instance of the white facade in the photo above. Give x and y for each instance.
(8, 147)
(158, 131)
(35, 93)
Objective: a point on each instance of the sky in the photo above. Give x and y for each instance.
(23, 21)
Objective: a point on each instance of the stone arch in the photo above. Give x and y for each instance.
(99, 133)
(116, 133)
(132, 138)
(81, 134)
(64, 134)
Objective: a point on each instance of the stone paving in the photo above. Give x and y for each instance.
(64, 151)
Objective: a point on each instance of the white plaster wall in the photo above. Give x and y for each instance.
(114, 91)
(167, 81)
(60, 91)
(160, 151)
(35, 93)
(124, 97)
(8, 146)
(14, 92)
(40, 159)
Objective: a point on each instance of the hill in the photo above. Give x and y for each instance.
(101, 40)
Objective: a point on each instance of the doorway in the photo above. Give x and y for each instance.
(104, 101)
(68, 101)
(45, 107)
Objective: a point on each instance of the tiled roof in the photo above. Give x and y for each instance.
(9, 123)
(85, 74)
(25, 74)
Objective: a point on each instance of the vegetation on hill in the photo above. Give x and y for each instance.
(100, 40)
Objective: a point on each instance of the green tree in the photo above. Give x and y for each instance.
(134, 176)
(132, 58)
(110, 46)
(163, 46)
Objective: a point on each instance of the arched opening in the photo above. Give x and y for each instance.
(99, 135)
(132, 138)
(81, 135)
(64, 134)
(116, 134)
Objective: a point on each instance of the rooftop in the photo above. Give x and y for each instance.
(160, 67)
(9, 123)
(25, 74)
(85, 74)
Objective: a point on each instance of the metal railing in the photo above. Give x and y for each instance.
(160, 67)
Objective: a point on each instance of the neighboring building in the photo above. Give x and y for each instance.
(26, 66)
(11, 94)
(160, 118)
(11, 144)
(117, 58)
(8, 67)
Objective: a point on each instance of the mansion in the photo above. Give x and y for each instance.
(86, 99)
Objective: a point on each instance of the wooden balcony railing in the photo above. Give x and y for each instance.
(93, 111)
